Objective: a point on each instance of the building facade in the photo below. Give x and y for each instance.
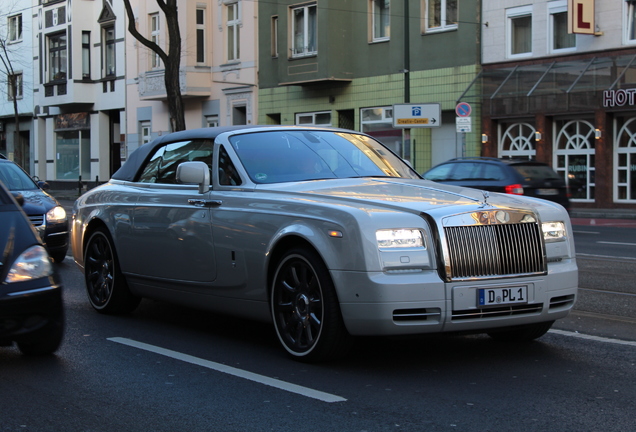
(347, 63)
(16, 78)
(218, 71)
(78, 88)
(563, 98)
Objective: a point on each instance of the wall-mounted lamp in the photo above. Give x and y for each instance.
(537, 136)
(484, 138)
(597, 134)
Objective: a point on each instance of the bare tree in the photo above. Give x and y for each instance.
(171, 59)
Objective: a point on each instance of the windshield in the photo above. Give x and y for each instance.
(287, 156)
(15, 179)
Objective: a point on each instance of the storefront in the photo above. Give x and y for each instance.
(577, 113)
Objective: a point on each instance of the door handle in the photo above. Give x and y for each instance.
(205, 203)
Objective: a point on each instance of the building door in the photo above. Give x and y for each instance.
(574, 157)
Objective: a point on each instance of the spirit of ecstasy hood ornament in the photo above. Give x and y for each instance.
(486, 196)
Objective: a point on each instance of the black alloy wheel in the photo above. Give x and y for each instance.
(105, 285)
(305, 308)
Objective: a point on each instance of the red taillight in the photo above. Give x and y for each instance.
(515, 189)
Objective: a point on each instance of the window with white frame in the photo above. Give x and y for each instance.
(14, 26)
(441, 14)
(381, 19)
(560, 39)
(212, 120)
(625, 159)
(519, 31)
(233, 31)
(322, 118)
(303, 29)
(155, 60)
(145, 131)
(14, 86)
(57, 57)
(629, 8)
(108, 46)
(575, 157)
(200, 22)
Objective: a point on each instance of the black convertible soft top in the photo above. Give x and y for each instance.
(128, 170)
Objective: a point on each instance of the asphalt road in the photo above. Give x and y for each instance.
(167, 368)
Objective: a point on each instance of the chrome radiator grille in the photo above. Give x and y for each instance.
(494, 250)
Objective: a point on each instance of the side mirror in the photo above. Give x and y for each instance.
(43, 185)
(194, 172)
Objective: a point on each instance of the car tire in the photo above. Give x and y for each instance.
(45, 340)
(105, 284)
(59, 256)
(305, 308)
(524, 333)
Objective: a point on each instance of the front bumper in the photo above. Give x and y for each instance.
(418, 303)
(26, 311)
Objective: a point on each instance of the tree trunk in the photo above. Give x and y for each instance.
(171, 60)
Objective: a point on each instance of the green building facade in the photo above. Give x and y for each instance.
(345, 63)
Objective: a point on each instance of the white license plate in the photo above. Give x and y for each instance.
(502, 296)
(547, 192)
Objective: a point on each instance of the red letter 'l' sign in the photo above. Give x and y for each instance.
(580, 23)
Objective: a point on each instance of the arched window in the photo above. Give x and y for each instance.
(574, 157)
(517, 140)
(625, 160)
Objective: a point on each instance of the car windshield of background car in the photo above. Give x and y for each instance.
(15, 179)
(288, 156)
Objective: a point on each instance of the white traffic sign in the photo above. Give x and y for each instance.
(417, 115)
(463, 124)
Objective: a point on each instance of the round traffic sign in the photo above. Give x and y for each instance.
(463, 109)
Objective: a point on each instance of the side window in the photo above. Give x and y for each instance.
(439, 173)
(162, 165)
(466, 171)
(228, 176)
(493, 172)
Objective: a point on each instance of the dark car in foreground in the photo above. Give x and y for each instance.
(511, 176)
(323, 232)
(45, 212)
(31, 308)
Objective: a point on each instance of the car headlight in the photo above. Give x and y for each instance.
(33, 263)
(553, 231)
(56, 215)
(399, 238)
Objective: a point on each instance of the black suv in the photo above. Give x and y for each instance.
(513, 176)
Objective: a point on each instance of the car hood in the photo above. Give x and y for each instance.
(415, 195)
(37, 202)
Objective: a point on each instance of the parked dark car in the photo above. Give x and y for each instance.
(31, 308)
(511, 176)
(45, 212)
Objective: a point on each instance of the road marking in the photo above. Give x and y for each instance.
(617, 243)
(272, 382)
(584, 255)
(593, 338)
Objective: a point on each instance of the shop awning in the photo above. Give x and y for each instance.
(557, 85)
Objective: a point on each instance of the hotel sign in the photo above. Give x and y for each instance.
(619, 98)
(581, 17)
